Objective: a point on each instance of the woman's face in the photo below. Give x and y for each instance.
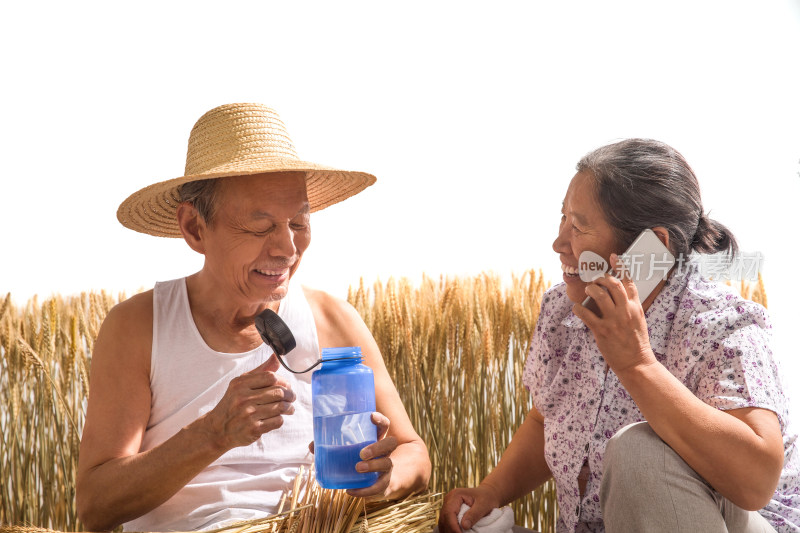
(583, 227)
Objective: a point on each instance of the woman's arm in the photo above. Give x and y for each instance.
(521, 469)
(739, 452)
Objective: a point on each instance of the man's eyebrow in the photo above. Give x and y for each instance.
(261, 214)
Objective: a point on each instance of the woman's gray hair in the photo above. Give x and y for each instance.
(641, 183)
(202, 194)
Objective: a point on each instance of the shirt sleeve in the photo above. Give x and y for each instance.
(535, 374)
(531, 376)
(738, 369)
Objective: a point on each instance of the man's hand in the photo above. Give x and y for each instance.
(254, 404)
(375, 458)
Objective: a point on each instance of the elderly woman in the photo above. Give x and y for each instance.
(664, 415)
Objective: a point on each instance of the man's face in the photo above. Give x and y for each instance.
(258, 234)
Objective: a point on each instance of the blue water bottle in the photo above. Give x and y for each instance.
(343, 397)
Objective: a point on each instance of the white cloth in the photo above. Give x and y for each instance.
(500, 520)
(188, 379)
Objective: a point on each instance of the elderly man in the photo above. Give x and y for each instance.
(191, 423)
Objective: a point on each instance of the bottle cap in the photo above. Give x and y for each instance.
(346, 352)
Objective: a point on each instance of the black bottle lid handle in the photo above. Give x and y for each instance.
(275, 332)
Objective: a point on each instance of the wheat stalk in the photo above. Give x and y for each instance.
(455, 348)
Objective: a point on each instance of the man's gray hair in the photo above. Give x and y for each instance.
(202, 194)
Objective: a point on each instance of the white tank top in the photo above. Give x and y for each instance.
(188, 379)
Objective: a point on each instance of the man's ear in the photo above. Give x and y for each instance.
(192, 226)
(662, 234)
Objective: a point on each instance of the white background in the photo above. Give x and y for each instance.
(471, 115)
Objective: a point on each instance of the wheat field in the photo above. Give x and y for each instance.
(44, 384)
(454, 346)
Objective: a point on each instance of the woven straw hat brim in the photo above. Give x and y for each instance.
(236, 140)
(153, 209)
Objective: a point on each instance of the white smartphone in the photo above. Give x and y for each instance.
(647, 262)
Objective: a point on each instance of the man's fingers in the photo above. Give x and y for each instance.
(260, 378)
(382, 422)
(263, 396)
(374, 491)
(381, 464)
(276, 394)
(269, 424)
(271, 410)
(270, 365)
(382, 447)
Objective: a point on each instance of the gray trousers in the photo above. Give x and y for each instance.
(647, 487)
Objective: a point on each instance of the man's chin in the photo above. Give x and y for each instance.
(275, 295)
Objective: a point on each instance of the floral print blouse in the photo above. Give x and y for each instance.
(710, 338)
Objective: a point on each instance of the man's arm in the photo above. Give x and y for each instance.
(409, 466)
(116, 483)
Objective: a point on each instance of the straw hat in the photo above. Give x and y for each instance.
(236, 140)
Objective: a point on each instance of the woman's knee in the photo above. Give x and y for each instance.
(632, 472)
(633, 447)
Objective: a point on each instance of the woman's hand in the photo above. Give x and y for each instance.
(375, 458)
(481, 501)
(621, 333)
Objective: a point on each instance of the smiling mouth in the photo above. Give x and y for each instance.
(569, 270)
(274, 275)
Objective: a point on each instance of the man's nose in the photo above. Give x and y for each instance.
(282, 242)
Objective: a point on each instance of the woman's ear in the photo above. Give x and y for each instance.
(191, 225)
(662, 234)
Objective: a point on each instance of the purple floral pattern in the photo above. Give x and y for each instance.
(715, 342)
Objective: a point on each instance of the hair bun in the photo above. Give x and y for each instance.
(712, 237)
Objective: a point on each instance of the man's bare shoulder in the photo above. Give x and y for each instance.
(335, 309)
(128, 327)
(135, 312)
(338, 323)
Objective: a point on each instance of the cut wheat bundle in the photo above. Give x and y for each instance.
(313, 509)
